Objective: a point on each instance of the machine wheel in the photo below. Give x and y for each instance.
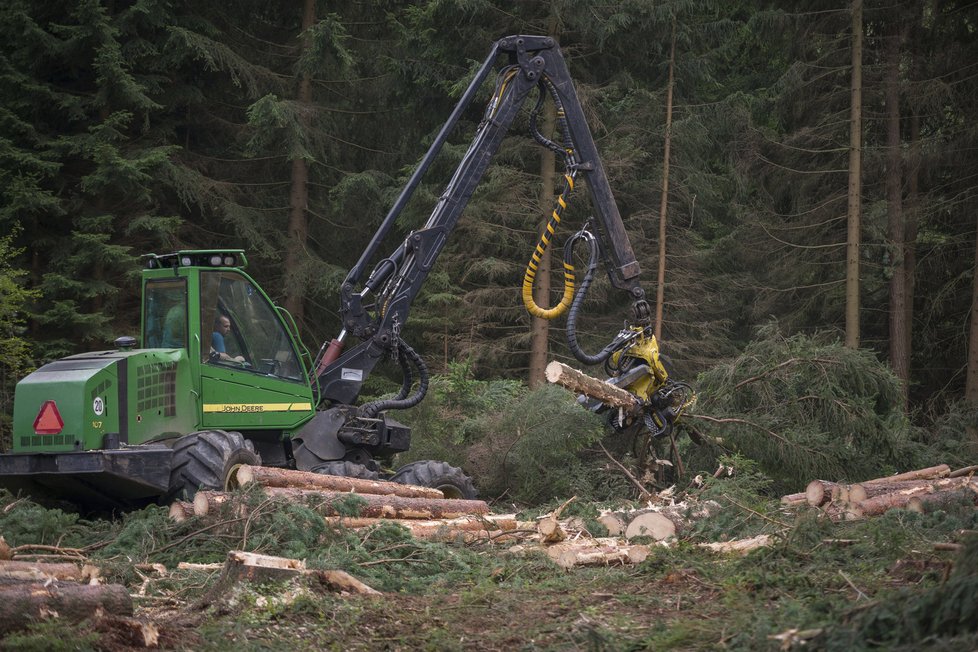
(208, 460)
(346, 469)
(450, 480)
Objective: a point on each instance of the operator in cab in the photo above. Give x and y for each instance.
(222, 326)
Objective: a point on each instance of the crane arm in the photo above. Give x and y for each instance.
(376, 309)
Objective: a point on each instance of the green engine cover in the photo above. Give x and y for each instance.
(130, 396)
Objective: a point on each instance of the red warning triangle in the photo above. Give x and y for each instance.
(48, 421)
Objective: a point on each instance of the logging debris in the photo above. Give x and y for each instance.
(450, 520)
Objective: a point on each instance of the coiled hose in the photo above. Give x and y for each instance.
(402, 401)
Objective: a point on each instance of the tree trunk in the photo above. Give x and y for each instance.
(272, 477)
(899, 353)
(660, 288)
(971, 382)
(540, 328)
(298, 227)
(855, 180)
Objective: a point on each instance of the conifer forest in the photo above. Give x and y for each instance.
(799, 184)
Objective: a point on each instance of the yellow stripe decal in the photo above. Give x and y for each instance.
(257, 407)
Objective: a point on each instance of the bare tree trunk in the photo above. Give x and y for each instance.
(298, 227)
(660, 289)
(899, 353)
(971, 384)
(540, 328)
(855, 179)
(912, 221)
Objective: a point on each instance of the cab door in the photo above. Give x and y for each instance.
(252, 376)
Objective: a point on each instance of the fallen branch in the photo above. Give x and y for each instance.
(643, 493)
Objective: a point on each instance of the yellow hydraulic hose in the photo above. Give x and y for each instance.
(541, 248)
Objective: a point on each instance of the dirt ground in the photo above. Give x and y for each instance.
(585, 610)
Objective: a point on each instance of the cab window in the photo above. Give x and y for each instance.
(242, 330)
(165, 314)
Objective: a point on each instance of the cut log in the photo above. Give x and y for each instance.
(549, 527)
(795, 500)
(931, 472)
(287, 478)
(863, 490)
(580, 383)
(966, 471)
(24, 603)
(35, 571)
(383, 506)
(613, 522)
(209, 502)
(900, 499)
(469, 529)
(820, 492)
(550, 530)
(180, 511)
(942, 500)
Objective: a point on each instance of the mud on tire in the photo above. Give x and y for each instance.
(346, 469)
(451, 480)
(207, 460)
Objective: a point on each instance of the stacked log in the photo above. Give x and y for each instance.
(918, 490)
(424, 511)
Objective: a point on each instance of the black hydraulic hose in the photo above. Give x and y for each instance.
(578, 301)
(407, 379)
(567, 151)
(372, 409)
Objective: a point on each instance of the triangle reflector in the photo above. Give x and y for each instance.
(48, 421)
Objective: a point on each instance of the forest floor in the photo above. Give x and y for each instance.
(884, 582)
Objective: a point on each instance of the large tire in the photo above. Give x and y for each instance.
(346, 469)
(208, 460)
(450, 480)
